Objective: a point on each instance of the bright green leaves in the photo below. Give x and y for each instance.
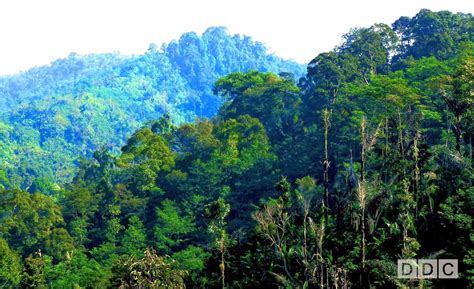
(78, 271)
(236, 149)
(386, 95)
(271, 99)
(172, 226)
(44, 186)
(459, 89)
(10, 266)
(308, 191)
(60, 245)
(174, 233)
(236, 84)
(34, 271)
(145, 156)
(217, 211)
(134, 238)
(327, 74)
(148, 149)
(371, 47)
(192, 258)
(244, 143)
(28, 220)
(4, 181)
(458, 92)
(433, 33)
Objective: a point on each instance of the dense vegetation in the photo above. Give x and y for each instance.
(321, 183)
(55, 114)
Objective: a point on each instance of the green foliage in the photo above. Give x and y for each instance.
(4, 182)
(431, 33)
(44, 186)
(10, 266)
(34, 275)
(134, 237)
(60, 244)
(265, 96)
(77, 271)
(191, 259)
(152, 271)
(28, 221)
(217, 212)
(324, 184)
(144, 156)
(171, 226)
(53, 115)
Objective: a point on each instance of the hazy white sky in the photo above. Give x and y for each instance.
(34, 32)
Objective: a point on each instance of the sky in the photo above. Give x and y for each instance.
(34, 32)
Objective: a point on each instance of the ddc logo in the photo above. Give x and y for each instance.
(427, 269)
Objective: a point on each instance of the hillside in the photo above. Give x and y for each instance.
(52, 115)
(322, 183)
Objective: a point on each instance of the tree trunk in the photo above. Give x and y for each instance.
(326, 122)
(459, 137)
(222, 267)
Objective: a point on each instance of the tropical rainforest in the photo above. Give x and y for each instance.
(51, 116)
(210, 163)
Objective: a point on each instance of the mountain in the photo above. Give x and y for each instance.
(326, 183)
(52, 115)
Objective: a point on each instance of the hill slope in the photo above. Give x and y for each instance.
(53, 114)
(323, 185)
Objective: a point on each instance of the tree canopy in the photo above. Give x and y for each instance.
(324, 182)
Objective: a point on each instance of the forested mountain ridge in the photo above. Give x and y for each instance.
(323, 183)
(51, 115)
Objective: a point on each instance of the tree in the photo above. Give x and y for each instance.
(28, 219)
(80, 205)
(44, 186)
(134, 238)
(327, 74)
(364, 150)
(172, 227)
(152, 271)
(242, 160)
(34, 275)
(431, 33)
(77, 271)
(372, 48)
(145, 155)
(273, 222)
(458, 92)
(60, 244)
(217, 211)
(269, 98)
(10, 266)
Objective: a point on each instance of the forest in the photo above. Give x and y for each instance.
(209, 163)
(51, 116)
